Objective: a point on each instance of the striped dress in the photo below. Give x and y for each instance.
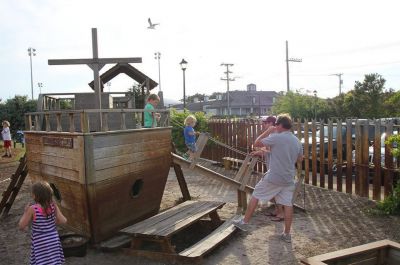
(46, 247)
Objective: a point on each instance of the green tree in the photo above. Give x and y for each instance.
(301, 106)
(14, 111)
(197, 95)
(367, 97)
(177, 121)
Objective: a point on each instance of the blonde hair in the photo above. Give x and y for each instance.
(190, 120)
(6, 123)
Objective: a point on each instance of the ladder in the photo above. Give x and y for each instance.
(17, 179)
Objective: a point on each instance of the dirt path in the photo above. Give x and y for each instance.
(332, 221)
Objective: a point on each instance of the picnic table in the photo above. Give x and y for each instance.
(161, 227)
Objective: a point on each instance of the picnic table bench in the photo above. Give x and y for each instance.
(161, 227)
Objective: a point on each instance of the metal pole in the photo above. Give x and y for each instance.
(30, 57)
(287, 66)
(184, 91)
(159, 72)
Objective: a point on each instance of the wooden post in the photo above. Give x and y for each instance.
(37, 125)
(330, 153)
(314, 153)
(321, 155)
(364, 177)
(71, 122)
(85, 122)
(58, 117)
(123, 124)
(306, 153)
(349, 157)
(388, 181)
(376, 195)
(339, 155)
(104, 117)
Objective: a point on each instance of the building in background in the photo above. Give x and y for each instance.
(241, 103)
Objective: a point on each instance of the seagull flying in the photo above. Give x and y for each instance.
(151, 25)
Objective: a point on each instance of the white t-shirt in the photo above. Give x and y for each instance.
(5, 133)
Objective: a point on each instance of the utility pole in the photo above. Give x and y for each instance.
(296, 60)
(340, 82)
(227, 79)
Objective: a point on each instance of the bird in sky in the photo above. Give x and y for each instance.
(151, 25)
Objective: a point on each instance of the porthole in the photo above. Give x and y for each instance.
(136, 188)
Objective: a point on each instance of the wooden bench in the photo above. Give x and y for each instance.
(160, 228)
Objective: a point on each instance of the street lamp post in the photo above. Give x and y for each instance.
(157, 56)
(183, 64)
(31, 52)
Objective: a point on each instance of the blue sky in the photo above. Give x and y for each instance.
(350, 37)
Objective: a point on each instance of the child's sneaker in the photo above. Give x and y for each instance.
(286, 237)
(242, 225)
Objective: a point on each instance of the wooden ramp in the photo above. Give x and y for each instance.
(17, 179)
(160, 229)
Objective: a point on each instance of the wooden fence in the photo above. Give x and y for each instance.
(354, 158)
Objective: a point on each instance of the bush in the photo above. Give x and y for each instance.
(177, 122)
(391, 204)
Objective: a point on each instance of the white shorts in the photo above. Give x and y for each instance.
(265, 191)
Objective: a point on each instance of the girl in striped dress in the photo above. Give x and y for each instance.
(44, 214)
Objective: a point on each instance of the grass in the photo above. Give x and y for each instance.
(17, 153)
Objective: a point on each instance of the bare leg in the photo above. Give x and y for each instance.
(250, 209)
(288, 218)
(279, 211)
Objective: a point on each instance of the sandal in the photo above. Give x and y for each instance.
(270, 214)
(277, 219)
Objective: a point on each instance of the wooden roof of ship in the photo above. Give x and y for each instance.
(130, 71)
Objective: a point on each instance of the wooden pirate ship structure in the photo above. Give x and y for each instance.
(105, 170)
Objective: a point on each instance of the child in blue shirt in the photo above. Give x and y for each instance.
(190, 135)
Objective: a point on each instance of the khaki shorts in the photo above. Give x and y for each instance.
(265, 191)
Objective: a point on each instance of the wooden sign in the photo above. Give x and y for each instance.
(63, 142)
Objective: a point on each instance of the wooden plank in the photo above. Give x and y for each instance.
(128, 148)
(330, 153)
(247, 173)
(114, 138)
(364, 178)
(185, 219)
(131, 230)
(112, 162)
(339, 156)
(50, 170)
(314, 153)
(349, 157)
(388, 180)
(243, 168)
(376, 192)
(321, 155)
(382, 244)
(358, 158)
(211, 241)
(173, 220)
(306, 152)
(201, 143)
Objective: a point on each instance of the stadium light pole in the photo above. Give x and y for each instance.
(31, 52)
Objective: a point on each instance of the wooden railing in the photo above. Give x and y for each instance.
(349, 161)
(90, 120)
